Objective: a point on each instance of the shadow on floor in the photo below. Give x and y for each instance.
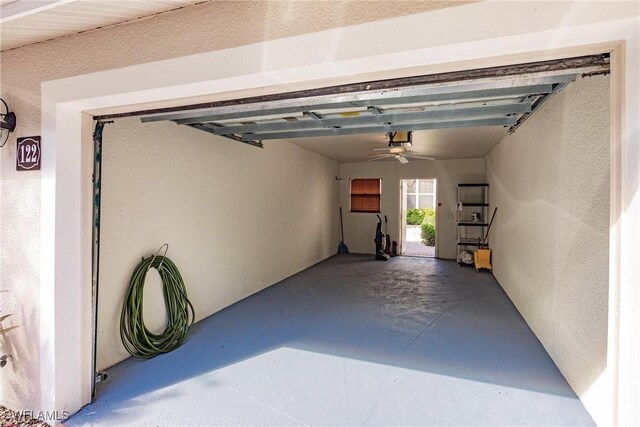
(351, 341)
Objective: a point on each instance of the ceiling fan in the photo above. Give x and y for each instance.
(401, 154)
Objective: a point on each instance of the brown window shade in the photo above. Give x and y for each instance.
(365, 195)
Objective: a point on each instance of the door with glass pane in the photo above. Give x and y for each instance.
(418, 214)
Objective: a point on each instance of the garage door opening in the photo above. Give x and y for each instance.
(418, 216)
(234, 162)
(230, 134)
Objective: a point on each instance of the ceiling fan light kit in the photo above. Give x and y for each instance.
(397, 149)
(391, 150)
(401, 154)
(400, 138)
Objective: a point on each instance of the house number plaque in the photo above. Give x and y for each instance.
(28, 154)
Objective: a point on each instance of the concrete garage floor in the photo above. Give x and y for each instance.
(351, 341)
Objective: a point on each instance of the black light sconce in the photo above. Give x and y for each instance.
(7, 122)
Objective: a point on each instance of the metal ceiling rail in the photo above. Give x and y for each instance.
(375, 116)
(384, 128)
(488, 103)
(414, 94)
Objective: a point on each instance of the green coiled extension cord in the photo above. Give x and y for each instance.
(137, 339)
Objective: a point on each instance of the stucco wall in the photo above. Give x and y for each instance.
(359, 228)
(236, 218)
(204, 27)
(550, 182)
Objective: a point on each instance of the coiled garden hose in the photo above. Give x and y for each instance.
(137, 339)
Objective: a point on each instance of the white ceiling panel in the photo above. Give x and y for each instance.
(24, 22)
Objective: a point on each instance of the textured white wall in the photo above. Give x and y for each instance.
(237, 218)
(550, 181)
(359, 228)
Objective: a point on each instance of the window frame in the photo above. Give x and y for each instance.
(379, 195)
(418, 194)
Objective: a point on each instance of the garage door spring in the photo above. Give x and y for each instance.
(137, 339)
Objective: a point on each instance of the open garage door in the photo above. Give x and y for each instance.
(498, 96)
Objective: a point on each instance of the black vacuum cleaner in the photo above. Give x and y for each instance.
(380, 240)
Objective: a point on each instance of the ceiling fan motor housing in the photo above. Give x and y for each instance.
(399, 139)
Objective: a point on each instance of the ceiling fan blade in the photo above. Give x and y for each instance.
(402, 159)
(381, 155)
(417, 156)
(375, 159)
(391, 150)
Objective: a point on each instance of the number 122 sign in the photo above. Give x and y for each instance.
(28, 154)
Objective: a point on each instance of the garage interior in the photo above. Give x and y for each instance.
(344, 339)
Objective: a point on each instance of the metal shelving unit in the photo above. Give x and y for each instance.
(472, 199)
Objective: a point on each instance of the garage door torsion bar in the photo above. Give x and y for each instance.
(601, 60)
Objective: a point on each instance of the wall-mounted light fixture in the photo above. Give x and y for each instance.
(7, 122)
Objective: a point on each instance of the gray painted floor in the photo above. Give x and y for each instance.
(351, 341)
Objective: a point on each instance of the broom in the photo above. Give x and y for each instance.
(342, 248)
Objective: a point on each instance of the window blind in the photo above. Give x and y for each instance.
(365, 195)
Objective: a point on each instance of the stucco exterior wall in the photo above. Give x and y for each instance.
(359, 228)
(550, 241)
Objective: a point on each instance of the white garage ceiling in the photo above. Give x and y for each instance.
(473, 142)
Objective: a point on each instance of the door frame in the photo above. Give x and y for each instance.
(402, 214)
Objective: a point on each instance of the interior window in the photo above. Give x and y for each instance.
(365, 195)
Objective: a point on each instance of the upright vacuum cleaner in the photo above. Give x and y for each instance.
(380, 240)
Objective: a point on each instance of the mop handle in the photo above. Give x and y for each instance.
(489, 228)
